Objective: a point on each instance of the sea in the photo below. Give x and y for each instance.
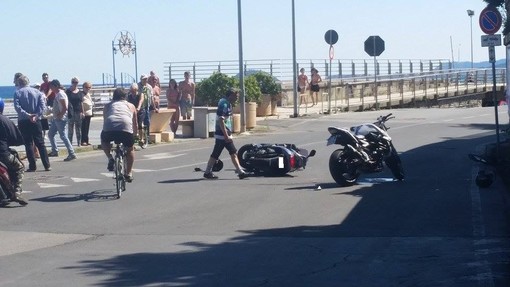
(7, 92)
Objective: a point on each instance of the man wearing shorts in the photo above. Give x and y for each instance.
(223, 135)
(119, 119)
(187, 89)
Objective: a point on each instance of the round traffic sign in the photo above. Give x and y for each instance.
(490, 20)
(331, 37)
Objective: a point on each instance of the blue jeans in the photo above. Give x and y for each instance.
(59, 126)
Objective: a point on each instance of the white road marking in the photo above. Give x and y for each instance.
(77, 179)
(164, 155)
(50, 185)
(142, 170)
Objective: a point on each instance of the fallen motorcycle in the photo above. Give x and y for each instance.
(273, 159)
(364, 149)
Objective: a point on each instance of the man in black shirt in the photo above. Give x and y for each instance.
(10, 135)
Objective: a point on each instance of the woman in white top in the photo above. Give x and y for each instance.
(87, 105)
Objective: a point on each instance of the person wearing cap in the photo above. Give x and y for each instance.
(153, 80)
(143, 109)
(10, 135)
(223, 135)
(29, 104)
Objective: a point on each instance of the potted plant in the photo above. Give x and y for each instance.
(271, 90)
(209, 91)
(252, 95)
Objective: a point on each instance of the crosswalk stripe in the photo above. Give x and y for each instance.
(77, 179)
(49, 185)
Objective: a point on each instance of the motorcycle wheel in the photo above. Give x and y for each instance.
(394, 163)
(243, 156)
(342, 169)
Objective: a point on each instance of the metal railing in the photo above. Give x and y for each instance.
(402, 89)
(282, 69)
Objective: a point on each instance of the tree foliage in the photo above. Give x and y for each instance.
(209, 91)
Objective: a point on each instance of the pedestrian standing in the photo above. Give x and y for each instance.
(87, 105)
(314, 86)
(187, 90)
(59, 121)
(29, 104)
(143, 109)
(223, 135)
(172, 99)
(302, 85)
(75, 110)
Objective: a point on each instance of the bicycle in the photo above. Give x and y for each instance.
(120, 168)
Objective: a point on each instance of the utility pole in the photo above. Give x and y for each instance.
(507, 48)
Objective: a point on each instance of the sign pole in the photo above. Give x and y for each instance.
(494, 96)
(329, 84)
(331, 38)
(375, 80)
(490, 22)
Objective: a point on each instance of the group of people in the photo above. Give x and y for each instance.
(180, 97)
(31, 106)
(311, 85)
(53, 108)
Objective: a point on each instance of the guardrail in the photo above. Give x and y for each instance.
(282, 69)
(358, 93)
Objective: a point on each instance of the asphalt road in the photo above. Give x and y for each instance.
(174, 228)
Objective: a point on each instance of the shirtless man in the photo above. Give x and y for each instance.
(314, 86)
(187, 89)
(302, 85)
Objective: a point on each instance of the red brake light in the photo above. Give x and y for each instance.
(292, 161)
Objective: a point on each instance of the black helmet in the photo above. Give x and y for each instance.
(218, 165)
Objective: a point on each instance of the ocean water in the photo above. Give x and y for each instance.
(7, 92)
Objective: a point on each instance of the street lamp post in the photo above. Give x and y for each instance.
(471, 13)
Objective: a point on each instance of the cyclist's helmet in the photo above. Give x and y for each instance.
(2, 104)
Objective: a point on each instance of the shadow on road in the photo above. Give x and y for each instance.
(94, 196)
(413, 233)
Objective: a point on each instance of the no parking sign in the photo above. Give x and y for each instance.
(490, 20)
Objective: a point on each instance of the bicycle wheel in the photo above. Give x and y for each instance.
(124, 171)
(119, 175)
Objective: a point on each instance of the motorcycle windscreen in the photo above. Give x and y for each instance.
(342, 137)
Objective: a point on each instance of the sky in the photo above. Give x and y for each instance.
(74, 37)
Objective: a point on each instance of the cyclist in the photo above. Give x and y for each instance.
(119, 120)
(10, 135)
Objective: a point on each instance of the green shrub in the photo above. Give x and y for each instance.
(209, 91)
(267, 83)
(252, 91)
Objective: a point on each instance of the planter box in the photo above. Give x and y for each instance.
(264, 108)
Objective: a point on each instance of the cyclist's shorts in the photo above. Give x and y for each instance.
(127, 139)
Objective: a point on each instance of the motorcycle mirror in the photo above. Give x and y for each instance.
(312, 153)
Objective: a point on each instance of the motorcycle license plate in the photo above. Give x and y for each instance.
(331, 140)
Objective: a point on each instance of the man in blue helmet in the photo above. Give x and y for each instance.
(10, 135)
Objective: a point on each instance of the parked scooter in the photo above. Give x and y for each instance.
(364, 149)
(273, 159)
